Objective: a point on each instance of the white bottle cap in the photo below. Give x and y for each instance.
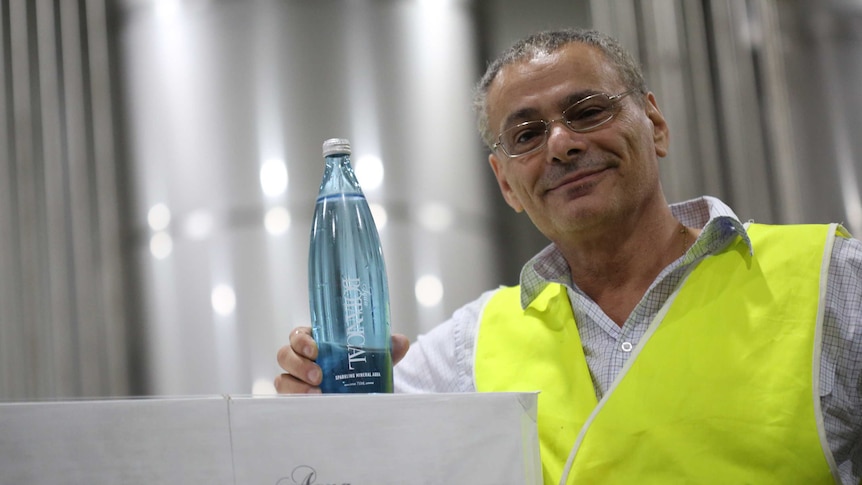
(336, 146)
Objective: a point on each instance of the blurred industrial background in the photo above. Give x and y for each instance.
(159, 161)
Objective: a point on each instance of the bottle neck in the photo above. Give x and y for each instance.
(338, 176)
(341, 159)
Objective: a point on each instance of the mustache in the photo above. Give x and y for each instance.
(558, 171)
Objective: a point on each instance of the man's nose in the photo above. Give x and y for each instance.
(564, 144)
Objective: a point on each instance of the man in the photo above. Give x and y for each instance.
(671, 344)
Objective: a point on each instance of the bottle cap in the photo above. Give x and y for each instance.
(336, 146)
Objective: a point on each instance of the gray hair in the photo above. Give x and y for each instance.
(544, 43)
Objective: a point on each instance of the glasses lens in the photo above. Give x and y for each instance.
(524, 137)
(590, 112)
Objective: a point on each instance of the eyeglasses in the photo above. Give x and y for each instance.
(586, 115)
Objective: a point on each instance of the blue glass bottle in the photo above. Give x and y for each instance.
(347, 284)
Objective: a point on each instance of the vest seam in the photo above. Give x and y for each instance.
(818, 350)
(629, 363)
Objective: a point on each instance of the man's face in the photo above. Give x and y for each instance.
(578, 181)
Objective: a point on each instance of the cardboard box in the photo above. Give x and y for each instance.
(485, 438)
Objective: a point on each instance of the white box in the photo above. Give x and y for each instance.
(482, 438)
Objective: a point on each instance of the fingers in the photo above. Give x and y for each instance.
(400, 345)
(303, 343)
(287, 384)
(301, 375)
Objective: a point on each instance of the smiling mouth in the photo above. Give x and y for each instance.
(576, 181)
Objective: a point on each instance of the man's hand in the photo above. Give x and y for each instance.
(301, 374)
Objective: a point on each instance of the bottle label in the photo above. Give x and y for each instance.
(353, 296)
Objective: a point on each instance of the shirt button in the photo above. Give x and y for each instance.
(627, 346)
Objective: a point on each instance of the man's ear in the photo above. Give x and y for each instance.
(661, 132)
(505, 188)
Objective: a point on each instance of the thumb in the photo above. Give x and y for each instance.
(400, 344)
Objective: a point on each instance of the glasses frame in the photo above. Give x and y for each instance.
(614, 99)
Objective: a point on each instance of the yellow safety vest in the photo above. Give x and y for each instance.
(721, 389)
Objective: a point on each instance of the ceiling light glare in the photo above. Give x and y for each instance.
(158, 217)
(369, 172)
(435, 216)
(273, 177)
(223, 300)
(276, 221)
(198, 225)
(429, 290)
(161, 245)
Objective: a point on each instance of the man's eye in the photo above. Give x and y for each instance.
(526, 136)
(588, 113)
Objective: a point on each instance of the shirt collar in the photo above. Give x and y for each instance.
(720, 227)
